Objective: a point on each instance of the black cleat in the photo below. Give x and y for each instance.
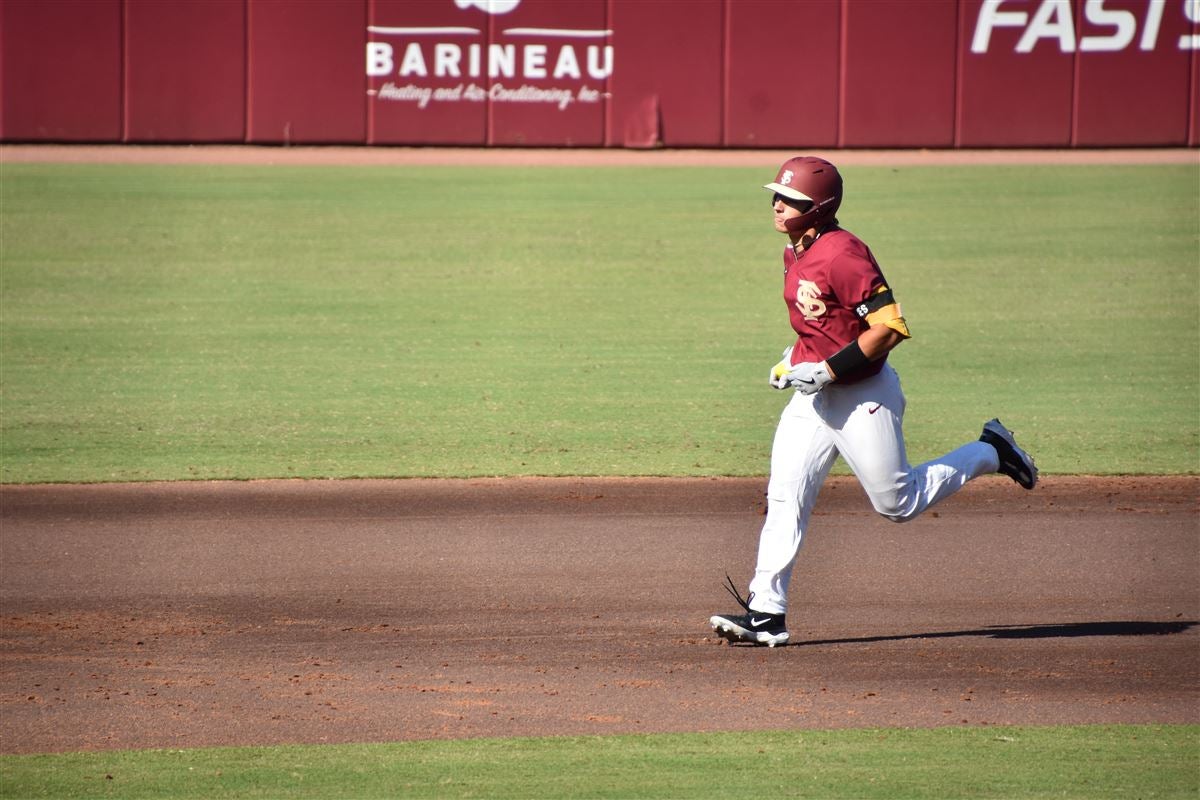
(755, 627)
(1014, 462)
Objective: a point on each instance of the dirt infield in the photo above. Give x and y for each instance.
(193, 614)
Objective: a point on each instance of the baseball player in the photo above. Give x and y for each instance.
(847, 399)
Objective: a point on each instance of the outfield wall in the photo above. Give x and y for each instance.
(604, 73)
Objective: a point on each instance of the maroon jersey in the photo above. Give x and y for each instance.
(822, 287)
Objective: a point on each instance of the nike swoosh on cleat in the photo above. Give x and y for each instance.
(755, 623)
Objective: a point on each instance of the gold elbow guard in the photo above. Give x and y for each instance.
(891, 316)
(899, 326)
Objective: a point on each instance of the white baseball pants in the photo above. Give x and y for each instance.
(862, 422)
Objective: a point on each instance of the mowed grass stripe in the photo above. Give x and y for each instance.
(1090, 762)
(178, 322)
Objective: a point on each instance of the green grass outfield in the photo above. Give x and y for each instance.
(175, 322)
(191, 322)
(1090, 763)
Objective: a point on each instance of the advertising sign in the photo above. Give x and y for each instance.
(1076, 72)
(488, 71)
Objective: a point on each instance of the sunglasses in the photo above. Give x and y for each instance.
(799, 205)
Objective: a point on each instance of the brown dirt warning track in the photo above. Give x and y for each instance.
(194, 614)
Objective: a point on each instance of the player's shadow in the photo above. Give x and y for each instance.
(1068, 630)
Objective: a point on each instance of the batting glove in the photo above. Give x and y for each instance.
(809, 377)
(779, 373)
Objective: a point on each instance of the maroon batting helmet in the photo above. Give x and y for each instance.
(814, 179)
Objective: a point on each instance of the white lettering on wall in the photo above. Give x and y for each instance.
(567, 66)
(502, 61)
(535, 61)
(596, 70)
(414, 61)
(1052, 20)
(422, 96)
(991, 17)
(1124, 22)
(553, 53)
(1101, 29)
(1154, 15)
(1191, 10)
(445, 59)
(379, 59)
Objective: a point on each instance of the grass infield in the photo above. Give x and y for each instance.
(991, 762)
(176, 322)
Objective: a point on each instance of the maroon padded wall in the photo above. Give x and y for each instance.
(1194, 125)
(898, 74)
(604, 73)
(667, 73)
(781, 94)
(185, 71)
(305, 78)
(1114, 104)
(60, 70)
